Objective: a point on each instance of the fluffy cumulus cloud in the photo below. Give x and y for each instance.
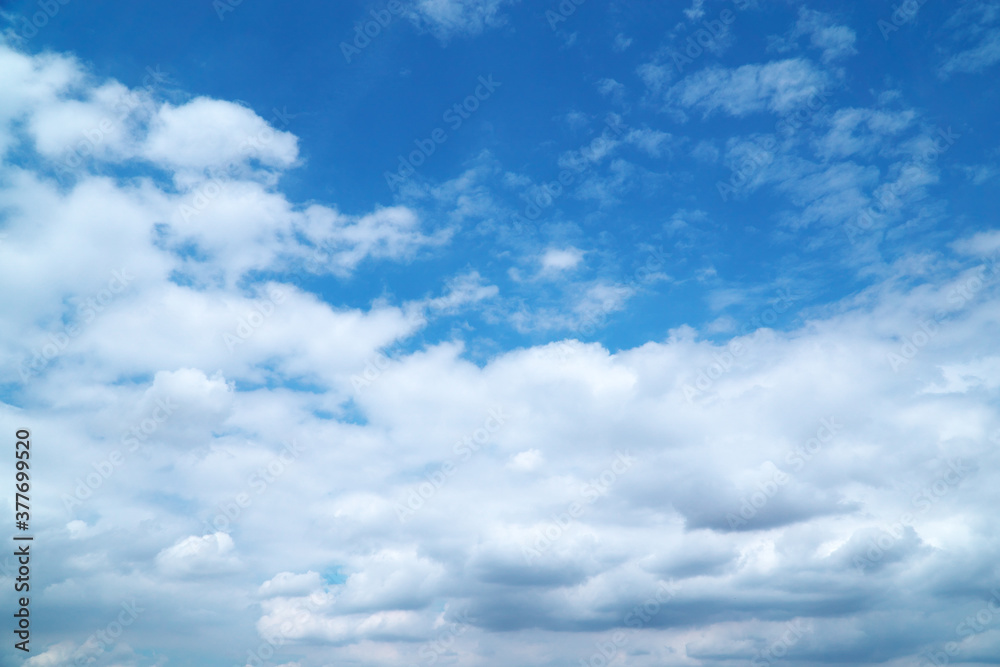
(236, 469)
(561, 259)
(205, 132)
(560, 488)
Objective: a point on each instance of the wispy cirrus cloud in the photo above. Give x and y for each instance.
(776, 87)
(457, 18)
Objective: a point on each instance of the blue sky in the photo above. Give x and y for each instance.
(722, 272)
(395, 91)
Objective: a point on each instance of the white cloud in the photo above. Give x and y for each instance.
(695, 463)
(205, 555)
(602, 298)
(561, 259)
(705, 151)
(974, 26)
(230, 216)
(983, 55)
(388, 233)
(576, 120)
(448, 18)
(527, 460)
(102, 125)
(56, 655)
(981, 173)
(289, 584)
(605, 188)
(463, 290)
(982, 244)
(650, 141)
(72, 120)
(621, 43)
(834, 40)
(30, 84)
(656, 76)
(854, 131)
(778, 86)
(696, 11)
(611, 88)
(212, 133)
(903, 376)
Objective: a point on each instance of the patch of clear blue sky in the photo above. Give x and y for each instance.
(354, 120)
